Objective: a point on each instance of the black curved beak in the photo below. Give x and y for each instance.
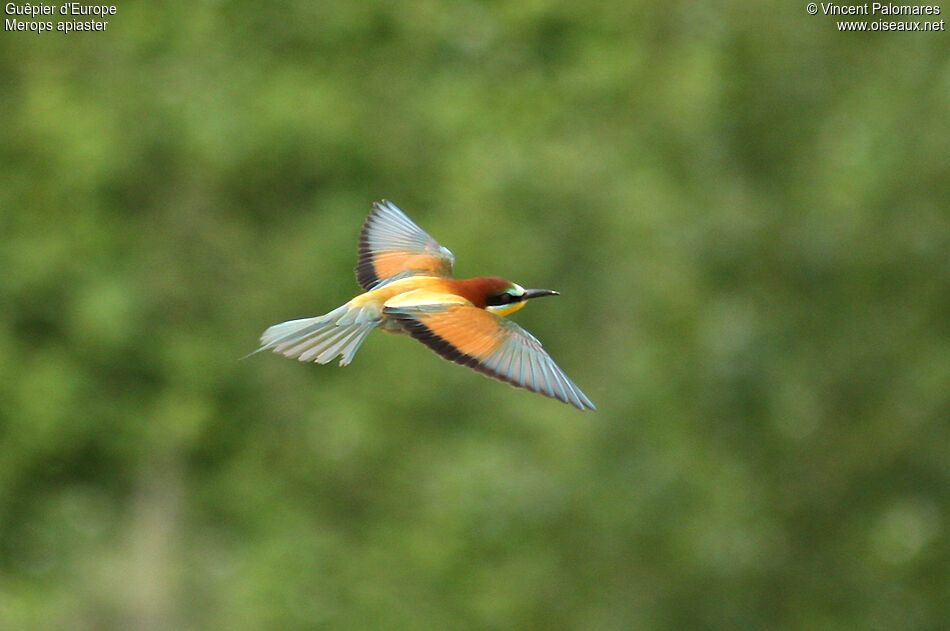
(537, 293)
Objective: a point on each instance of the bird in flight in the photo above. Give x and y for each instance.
(409, 288)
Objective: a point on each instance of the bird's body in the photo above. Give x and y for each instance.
(409, 287)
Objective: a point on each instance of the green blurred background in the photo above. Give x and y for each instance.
(747, 214)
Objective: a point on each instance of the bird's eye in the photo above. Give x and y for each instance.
(499, 299)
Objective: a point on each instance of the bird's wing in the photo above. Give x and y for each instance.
(391, 244)
(495, 346)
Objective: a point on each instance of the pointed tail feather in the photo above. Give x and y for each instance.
(320, 339)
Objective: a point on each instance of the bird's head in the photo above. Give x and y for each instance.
(502, 297)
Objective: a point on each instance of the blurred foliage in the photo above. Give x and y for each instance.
(746, 211)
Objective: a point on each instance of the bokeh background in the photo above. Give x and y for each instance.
(747, 214)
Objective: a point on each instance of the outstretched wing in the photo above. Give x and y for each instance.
(392, 244)
(490, 344)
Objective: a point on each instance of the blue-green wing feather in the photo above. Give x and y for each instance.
(392, 244)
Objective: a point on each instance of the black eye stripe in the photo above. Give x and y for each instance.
(500, 299)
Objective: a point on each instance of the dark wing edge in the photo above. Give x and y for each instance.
(521, 361)
(388, 233)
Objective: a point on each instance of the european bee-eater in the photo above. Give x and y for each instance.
(409, 287)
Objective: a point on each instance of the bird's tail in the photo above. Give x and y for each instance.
(320, 339)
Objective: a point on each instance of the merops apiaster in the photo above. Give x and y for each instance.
(409, 287)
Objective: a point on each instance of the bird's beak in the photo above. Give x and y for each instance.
(537, 293)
